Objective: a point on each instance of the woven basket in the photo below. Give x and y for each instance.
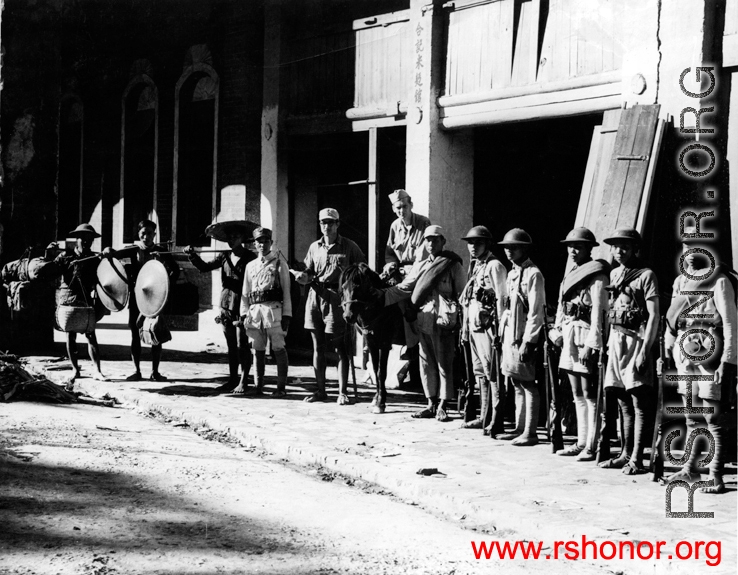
(78, 319)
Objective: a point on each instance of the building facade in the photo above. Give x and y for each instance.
(541, 114)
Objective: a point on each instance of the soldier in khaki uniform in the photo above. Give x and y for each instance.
(694, 336)
(578, 331)
(521, 324)
(266, 308)
(633, 318)
(483, 299)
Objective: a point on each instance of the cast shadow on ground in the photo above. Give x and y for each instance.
(49, 507)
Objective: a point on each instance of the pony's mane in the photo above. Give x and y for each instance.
(356, 275)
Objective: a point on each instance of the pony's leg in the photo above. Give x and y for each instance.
(374, 359)
(383, 360)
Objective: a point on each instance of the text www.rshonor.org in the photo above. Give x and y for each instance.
(709, 551)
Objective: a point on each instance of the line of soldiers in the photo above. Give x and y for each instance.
(500, 314)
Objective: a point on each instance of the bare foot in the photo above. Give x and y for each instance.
(525, 440)
(683, 475)
(240, 388)
(514, 434)
(100, 377)
(718, 485)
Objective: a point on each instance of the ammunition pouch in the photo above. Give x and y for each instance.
(577, 311)
(254, 297)
(631, 319)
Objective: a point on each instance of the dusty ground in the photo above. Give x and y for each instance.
(90, 490)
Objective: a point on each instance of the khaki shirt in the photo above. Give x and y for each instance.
(405, 243)
(523, 319)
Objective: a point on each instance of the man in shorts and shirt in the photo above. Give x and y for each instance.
(324, 262)
(686, 335)
(633, 319)
(266, 308)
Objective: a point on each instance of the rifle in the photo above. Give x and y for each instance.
(601, 440)
(465, 401)
(553, 399)
(656, 463)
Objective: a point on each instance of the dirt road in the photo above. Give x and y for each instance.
(90, 490)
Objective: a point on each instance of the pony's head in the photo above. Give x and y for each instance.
(356, 283)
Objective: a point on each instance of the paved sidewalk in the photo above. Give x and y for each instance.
(511, 492)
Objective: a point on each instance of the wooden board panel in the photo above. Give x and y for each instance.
(626, 175)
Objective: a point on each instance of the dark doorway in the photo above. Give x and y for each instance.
(140, 158)
(70, 166)
(391, 144)
(529, 175)
(196, 149)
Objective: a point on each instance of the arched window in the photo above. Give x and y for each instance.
(69, 182)
(195, 148)
(139, 151)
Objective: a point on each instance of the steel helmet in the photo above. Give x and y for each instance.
(516, 237)
(478, 232)
(581, 234)
(624, 234)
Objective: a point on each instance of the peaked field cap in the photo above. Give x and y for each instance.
(83, 229)
(624, 234)
(262, 233)
(398, 195)
(478, 232)
(328, 214)
(516, 237)
(434, 231)
(581, 234)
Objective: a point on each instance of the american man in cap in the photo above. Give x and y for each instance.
(266, 308)
(522, 323)
(483, 300)
(404, 247)
(327, 257)
(688, 340)
(578, 331)
(633, 318)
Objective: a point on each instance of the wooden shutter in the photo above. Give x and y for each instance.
(617, 182)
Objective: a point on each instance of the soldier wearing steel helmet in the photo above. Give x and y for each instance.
(482, 300)
(578, 331)
(633, 319)
(712, 319)
(521, 325)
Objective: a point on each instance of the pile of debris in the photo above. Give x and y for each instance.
(18, 384)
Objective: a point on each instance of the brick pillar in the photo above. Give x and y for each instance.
(440, 164)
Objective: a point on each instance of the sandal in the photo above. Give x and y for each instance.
(570, 451)
(316, 397)
(612, 464)
(343, 399)
(156, 376)
(279, 393)
(134, 377)
(426, 413)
